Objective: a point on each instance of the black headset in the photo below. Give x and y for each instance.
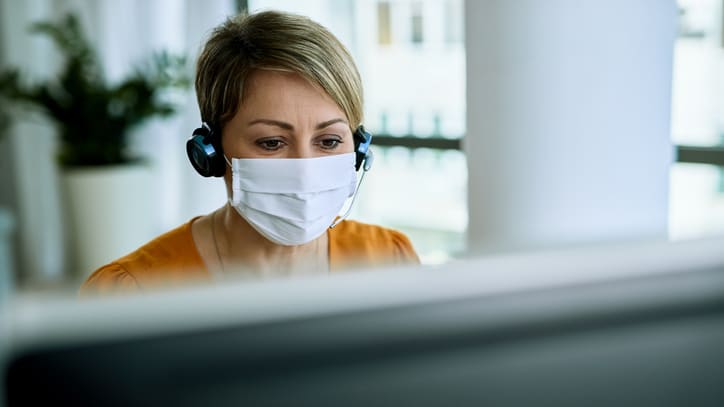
(207, 157)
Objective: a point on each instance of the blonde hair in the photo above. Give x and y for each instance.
(277, 41)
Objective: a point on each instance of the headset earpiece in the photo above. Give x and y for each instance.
(204, 152)
(362, 141)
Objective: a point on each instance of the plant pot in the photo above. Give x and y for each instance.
(110, 213)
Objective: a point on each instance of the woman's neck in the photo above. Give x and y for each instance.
(241, 249)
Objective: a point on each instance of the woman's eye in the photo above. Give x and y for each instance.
(270, 145)
(330, 143)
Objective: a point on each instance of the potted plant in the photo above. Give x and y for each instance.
(94, 119)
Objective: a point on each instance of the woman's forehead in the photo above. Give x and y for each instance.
(278, 93)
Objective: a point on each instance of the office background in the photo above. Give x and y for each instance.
(500, 125)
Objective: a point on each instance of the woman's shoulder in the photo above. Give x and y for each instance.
(169, 257)
(351, 229)
(364, 244)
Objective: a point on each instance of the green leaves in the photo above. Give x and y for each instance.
(93, 117)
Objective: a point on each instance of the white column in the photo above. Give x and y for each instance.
(568, 111)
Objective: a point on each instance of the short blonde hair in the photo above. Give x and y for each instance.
(277, 41)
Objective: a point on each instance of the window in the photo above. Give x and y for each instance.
(416, 20)
(697, 179)
(454, 24)
(384, 29)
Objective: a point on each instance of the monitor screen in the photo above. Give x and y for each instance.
(636, 325)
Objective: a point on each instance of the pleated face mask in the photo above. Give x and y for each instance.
(292, 201)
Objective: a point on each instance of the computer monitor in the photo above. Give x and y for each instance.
(631, 325)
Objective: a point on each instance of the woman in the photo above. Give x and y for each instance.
(281, 102)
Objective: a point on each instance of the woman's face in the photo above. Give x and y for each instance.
(284, 116)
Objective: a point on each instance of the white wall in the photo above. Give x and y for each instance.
(568, 111)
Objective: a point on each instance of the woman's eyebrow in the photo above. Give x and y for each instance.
(270, 122)
(328, 123)
(288, 126)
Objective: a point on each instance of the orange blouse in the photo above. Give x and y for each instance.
(172, 259)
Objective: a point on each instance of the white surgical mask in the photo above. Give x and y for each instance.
(292, 201)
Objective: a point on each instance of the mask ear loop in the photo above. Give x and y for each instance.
(366, 167)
